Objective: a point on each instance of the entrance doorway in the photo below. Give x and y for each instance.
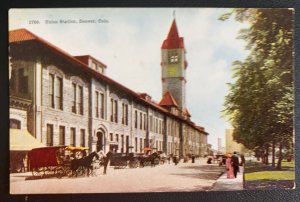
(100, 141)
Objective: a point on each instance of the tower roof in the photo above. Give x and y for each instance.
(173, 40)
(168, 100)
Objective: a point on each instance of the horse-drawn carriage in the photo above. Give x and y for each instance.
(60, 161)
(122, 160)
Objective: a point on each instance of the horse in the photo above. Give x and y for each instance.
(85, 163)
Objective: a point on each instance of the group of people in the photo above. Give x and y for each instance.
(233, 164)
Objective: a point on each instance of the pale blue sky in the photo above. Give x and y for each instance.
(129, 44)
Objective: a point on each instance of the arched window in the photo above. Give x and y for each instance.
(15, 124)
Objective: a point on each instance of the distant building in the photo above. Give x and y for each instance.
(232, 145)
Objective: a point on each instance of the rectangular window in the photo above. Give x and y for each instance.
(111, 137)
(156, 126)
(49, 140)
(151, 123)
(111, 110)
(141, 145)
(51, 90)
(141, 120)
(145, 143)
(102, 105)
(145, 122)
(123, 113)
(62, 135)
(74, 98)
(127, 143)
(122, 143)
(97, 104)
(23, 81)
(80, 99)
(117, 137)
(135, 119)
(116, 111)
(82, 138)
(126, 114)
(73, 137)
(59, 93)
(136, 144)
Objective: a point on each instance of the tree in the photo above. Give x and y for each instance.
(260, 101)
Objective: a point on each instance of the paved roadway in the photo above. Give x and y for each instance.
(163, 178)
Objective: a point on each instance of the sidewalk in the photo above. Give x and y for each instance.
(224, 184)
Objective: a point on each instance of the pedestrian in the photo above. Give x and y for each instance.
(193, 158)
(242, 160)
(106, 160)
(229, 168)
(235, 163)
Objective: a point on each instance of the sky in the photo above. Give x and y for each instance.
(128, 41)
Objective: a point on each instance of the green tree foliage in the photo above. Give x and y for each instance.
(260, 101)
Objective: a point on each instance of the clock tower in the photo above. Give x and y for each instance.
(173, 66)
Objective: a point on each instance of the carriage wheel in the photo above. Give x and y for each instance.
(37, 171)
(59, 172)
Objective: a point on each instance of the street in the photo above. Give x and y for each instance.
(162, 178)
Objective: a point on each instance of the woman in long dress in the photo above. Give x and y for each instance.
(229, 167)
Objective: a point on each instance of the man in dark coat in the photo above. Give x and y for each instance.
(106, 160)
(235, 163)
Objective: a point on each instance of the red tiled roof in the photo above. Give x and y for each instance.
(168, 100)
(21, 35)
(173, 40)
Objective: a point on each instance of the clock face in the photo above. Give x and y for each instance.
(172, 71)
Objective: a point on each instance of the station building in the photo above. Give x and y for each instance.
(60, 99)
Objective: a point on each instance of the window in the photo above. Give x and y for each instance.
(127, 143)
(125, 114)
(73, 137)
(151, 123)
(80, 99)
(111, 110)
(156, 126)
(14, 123)
(122, 143)
(94, 66)
(51, 90)
(77, 101)
(97, 104)
(117, 137)
(82, 138)
(102, 105)
(49, 140)
(136, 144)
(74, 98)
(173, 56)
(141, 120)
(135, 119)
(110, 136)
(145, 143)
(141, 145)
(55, 92)
(59, 93)
(61, 135)
(145, 122)
(116, 111)
(23, 78)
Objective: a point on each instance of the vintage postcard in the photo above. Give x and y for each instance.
(150, 100)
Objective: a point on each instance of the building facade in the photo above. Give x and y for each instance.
(69, 100)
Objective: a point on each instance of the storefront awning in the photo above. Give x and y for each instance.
(22, 140)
